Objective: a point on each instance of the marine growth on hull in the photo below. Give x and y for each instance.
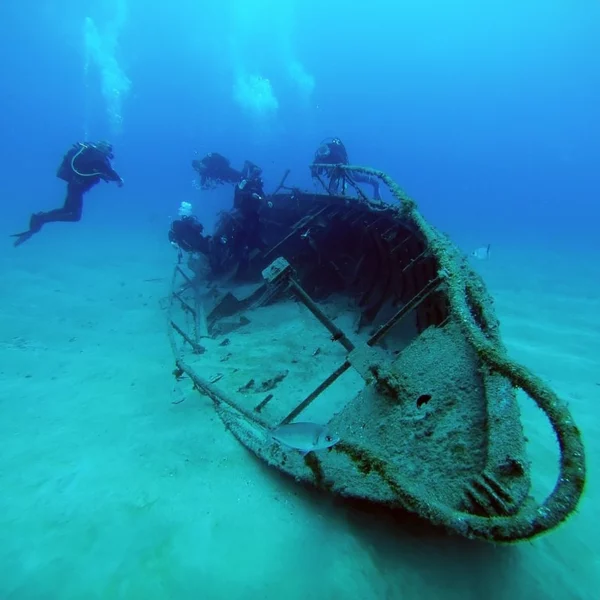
(356, 350)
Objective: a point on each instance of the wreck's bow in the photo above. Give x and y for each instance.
(413, 377)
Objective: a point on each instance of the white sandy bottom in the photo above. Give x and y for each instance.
(111, 491)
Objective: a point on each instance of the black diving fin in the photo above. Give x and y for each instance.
(22, 237)
(35, 225)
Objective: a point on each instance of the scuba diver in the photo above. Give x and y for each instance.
(248, 203)
(214, 169)
(238, 233)
(333, 152)
(82, 167)
(186, 232)
(249, 193)
(248, 199)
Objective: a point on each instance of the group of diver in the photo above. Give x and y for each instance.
(85, 164)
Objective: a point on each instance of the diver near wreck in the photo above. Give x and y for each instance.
(82, 167)
(186, 232)
(333, 152)
(238, 232)
(214, 169)
(248, 202)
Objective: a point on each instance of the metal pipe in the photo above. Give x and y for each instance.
(337, 334)
(317, 392)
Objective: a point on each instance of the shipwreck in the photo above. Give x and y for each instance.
(362, 317)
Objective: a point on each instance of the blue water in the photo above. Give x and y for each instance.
(487, 116)
(486, 113)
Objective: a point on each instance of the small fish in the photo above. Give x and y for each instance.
(482, 253)
(305, 437)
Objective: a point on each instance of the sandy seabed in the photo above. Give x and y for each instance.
(109, 490)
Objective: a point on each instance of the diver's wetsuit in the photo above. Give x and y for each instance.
(248, 200)
(334, 153)
(82, 167)
(240, 233)
(214, 169)
(186, 233)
